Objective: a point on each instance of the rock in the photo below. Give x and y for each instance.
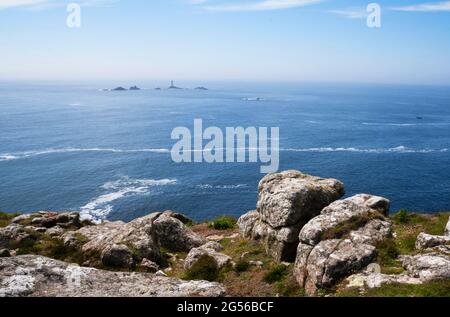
(117, 256)
(215, 238)
(55, 232)
(341, 241)
(4, 253)
(185, 220)
(37, 276)
(428, 267)
(352, 211)
(247, 222)
(420, 268)
(332, 260)
(286, 202)
(21, 218)
(124, 244)
(14, 234)
(374, 280)
(138, 235)
(149, 266)
(211, 249)
(213, 246)
(443, 249)
(37, 221)
(373, 232)
(173, 235)
(289, 197)
(258, 264)
(68, 219)
(425, 241)
(119, 89)
(161, 273)
(38, 230)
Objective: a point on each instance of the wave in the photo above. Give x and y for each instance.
(27, 154)
(100, 207)
(391, 124)
(407, 124)
(399, 149)
(209, 186)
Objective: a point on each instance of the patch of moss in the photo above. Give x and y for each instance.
(343, 230)
(223, 223)
(276, 274)
(204, 269)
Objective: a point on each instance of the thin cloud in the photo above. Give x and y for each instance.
(261, 5)
(45, 4)
(6, 4)
(425, 7)
(350, 13)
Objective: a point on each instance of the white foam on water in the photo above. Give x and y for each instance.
(28, 154)
(391, 124)
(399, 149)
(100, 207)
(7, 157)
(209, 186)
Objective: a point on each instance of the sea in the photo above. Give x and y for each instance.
(68, 146)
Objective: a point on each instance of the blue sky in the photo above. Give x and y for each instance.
(273, 40)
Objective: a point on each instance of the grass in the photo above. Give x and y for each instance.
(409, 225)
(276, 274)
(241, 266)
(5, 219)
(431, 289)
(223, 223)
(42, 244)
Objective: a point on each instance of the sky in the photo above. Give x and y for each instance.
(236, 40)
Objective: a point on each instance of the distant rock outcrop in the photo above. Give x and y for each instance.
(119, 89)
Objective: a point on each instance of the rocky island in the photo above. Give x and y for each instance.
(303, 239)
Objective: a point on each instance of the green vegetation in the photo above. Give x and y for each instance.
(204, 269)
(241, 266)
(5, 219)
(401, 217)
(223, 223)
(342, 230)
(276, 273)
(289, 287)
(388, 253)
(407, 226)
(42, 244)
(432, 289)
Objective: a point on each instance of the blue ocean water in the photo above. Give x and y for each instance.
(66, 146)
